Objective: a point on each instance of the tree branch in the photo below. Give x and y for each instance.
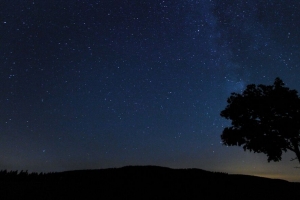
(294, 159)
(291, 149)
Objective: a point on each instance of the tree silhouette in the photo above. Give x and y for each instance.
(265, 119)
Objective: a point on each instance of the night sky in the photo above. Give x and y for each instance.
(99, 84)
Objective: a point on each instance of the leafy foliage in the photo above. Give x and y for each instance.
(265, 119)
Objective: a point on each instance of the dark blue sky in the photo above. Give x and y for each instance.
(96, 84)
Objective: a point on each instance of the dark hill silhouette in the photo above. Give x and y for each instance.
(143, 182)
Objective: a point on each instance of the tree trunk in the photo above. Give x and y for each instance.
(297, 151)
(298, 156)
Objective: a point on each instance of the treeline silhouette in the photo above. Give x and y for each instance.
(22, 175)
(142, 182)
(89, 174)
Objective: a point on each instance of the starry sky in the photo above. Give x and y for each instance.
(89, 84)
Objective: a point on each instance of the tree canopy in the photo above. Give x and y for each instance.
(264, 119)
